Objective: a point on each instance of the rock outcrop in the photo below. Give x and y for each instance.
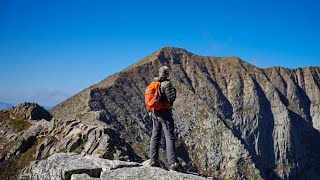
(23, 141)
(87, 139)
(16, 130)
(62, 166)
(19, 136)
(29, 111)
(33, 141)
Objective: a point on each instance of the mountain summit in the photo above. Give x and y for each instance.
(233, 119)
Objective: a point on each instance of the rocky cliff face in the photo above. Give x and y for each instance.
(233, 120)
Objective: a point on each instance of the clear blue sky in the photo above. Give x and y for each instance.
(52, 49)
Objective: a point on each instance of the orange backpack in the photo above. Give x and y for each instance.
(152, 97)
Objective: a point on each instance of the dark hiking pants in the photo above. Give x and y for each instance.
(162, 120)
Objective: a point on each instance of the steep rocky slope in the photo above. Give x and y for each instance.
(26, 138)
(233, 120)
(17, 137)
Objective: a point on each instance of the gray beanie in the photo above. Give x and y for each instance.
(164, 72)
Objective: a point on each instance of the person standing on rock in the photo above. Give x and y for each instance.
(162, 120)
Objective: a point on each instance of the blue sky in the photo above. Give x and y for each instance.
(52, 49)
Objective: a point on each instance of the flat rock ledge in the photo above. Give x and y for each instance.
(72, 166)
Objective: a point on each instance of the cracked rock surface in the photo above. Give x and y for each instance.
(66, 166)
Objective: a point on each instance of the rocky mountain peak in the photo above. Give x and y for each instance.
(29, 111)
(243, 114)
(233, 120)
(171, 53)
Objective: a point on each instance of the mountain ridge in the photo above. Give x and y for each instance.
(260, 111)
(110, 80)
(233, 121)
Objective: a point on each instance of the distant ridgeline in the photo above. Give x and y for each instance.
(5, 105)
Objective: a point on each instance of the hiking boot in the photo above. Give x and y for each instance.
(155, 163)
(152, 163)
(177, 167)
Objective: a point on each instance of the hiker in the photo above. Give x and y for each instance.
(162, 120)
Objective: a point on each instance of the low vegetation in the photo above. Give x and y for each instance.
(11, 168)
(17, 123)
